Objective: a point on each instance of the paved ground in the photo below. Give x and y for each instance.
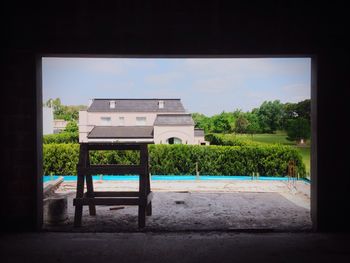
(175, 247)
(203, 205)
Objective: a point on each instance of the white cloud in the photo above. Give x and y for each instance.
(297, 92)
(117, 87)
(163, 79)
(217, 84)
(105, 66)
(211, 85)
(90, 65)
(246, 67)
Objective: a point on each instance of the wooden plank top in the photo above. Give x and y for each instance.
(114, 146)
(115, 143)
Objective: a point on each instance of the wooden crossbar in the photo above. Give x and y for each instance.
(107, 201)
(111, 169)
(116, 194)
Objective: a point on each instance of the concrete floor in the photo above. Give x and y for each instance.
(200, 205)
(188, 245)
(175, 247)
(197, 211)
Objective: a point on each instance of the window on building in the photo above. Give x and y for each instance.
(161, 104)
(174, 140)
(105, 121)
(121, 121)
(140, 121)
(112, 104)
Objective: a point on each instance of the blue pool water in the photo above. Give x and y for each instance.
(168, 178)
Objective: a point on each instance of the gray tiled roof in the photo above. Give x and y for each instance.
(198, 132)
(136, 105)
(121, 132)
(173, 119)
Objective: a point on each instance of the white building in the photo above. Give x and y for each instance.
(59, 125)
(47, 121)
(162, 121)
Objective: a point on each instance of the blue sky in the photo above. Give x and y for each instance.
(209, 86)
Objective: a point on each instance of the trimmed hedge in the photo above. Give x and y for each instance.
(63, 137)
(221, 139)
(271, 160)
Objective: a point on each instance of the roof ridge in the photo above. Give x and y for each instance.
(136, 98)
(173, 114)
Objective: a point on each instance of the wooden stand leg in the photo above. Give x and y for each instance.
(148, 190)
(143, 202)
(142, 216)
(149, 209)
(79, 208)
(90, 194)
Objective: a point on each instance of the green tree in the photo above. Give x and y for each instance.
(301, 109)
(253, 126)
(241, 124)
(201, 121)
(298, 129)
(222, 122)
(64, 112)
(72, 126)
(270, 116)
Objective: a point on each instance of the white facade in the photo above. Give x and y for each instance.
(59, 125)
(114, 118)
(162, 134)
(47, 120)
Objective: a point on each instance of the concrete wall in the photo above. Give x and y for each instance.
(151, 29)
(47, 120)
(84, 127)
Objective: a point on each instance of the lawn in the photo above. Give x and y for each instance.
(305, 153)
(267, 138)
(279, 137)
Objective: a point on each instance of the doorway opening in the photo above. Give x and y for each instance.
(174, 140)
(195, 190)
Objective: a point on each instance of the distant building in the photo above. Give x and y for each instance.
(48, 121)
(59, 125)
(162, 121)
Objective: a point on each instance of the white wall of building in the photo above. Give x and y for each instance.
(47, 120)
(200, 140)
(163, 133)
(94, 118)
(87, 120)
(84, 126)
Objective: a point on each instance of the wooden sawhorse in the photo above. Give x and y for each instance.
(142, 198)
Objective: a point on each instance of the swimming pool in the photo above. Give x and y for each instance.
(169, 178)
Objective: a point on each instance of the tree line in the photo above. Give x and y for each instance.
(294, 118)
(64, 112)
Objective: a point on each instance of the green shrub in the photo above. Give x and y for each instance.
(223, 139)
(60, 159)
(63, 137)
(271, 160)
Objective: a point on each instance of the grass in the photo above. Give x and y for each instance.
(305, 153)
(267, 138)
(281, 138)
